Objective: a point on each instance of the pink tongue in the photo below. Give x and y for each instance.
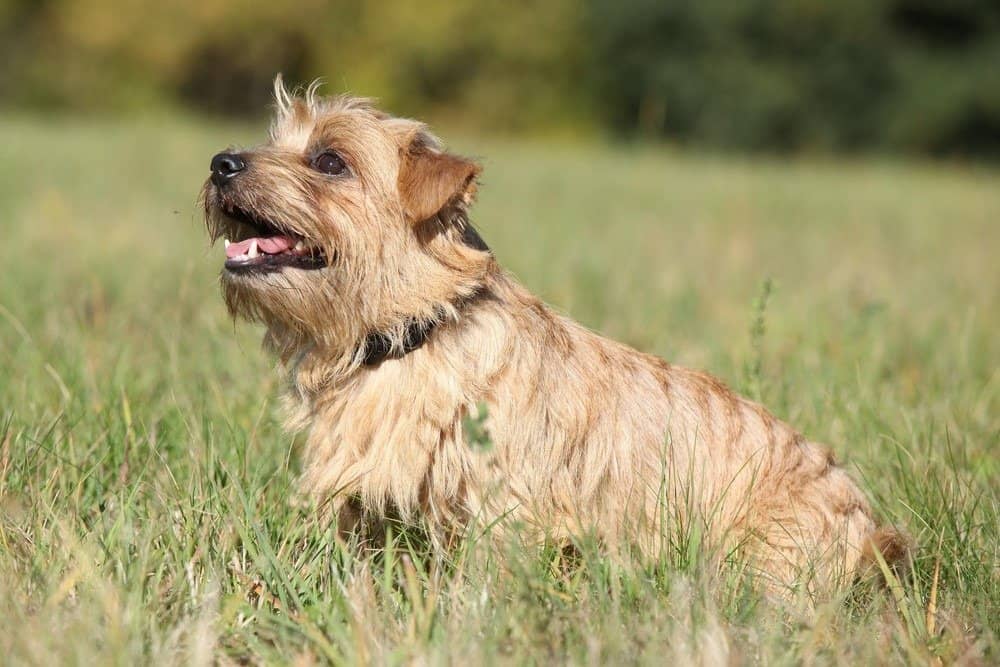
(272, 245)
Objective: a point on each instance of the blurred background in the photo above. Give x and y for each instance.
(915, 77)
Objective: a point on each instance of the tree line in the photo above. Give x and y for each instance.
(912, 76)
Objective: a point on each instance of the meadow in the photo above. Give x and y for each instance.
(146, 487)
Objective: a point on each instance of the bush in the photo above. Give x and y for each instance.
(907, 75)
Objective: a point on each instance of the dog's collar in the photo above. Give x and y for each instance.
(378, 345)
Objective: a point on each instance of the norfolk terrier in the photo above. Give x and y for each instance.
(348, 237)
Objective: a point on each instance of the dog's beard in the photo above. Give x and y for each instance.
(277, 273)
(313, 308)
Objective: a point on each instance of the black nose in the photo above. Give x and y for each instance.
(225, 166)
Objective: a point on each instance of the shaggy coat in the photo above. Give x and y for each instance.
(587, 435)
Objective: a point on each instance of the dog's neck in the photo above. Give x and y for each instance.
(315, 362)
(313, 368)
(379, 346)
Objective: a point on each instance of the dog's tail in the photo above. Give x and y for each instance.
(887, 547)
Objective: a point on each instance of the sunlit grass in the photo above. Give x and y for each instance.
(146, 485)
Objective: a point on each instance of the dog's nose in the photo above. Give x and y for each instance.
(225, 166)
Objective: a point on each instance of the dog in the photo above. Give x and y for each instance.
(348, 237)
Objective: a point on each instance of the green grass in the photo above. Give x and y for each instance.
(146, 487)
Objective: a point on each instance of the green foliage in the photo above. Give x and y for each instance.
(772, 75)
(474, 428)
(787, 74)
(509, 67)
(147, 502)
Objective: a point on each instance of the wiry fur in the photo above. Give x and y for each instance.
(588, 434)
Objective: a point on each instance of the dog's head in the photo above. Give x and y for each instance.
(346, 221)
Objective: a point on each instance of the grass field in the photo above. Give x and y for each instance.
(145, 483)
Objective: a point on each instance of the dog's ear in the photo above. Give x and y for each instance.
(430, 180)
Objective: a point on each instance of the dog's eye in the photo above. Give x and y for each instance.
(330, 163)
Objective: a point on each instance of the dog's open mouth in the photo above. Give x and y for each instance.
(270, 249)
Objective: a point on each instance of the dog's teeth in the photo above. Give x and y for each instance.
(226, 242)
(252, 252)
(300, 245)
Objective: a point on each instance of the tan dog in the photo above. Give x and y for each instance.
(351, 243)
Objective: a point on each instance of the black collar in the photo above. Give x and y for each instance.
(378, 345)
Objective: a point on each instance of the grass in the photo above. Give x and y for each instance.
(145, 483)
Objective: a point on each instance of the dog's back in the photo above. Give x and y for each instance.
(588, 435)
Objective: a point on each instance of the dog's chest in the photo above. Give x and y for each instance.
(393, 438)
